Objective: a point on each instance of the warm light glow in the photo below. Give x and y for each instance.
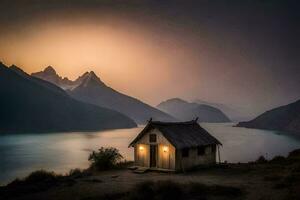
(122, 59)
(134, 51)
(141, 148)
(165, 148)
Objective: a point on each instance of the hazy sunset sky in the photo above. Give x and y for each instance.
(244, 54)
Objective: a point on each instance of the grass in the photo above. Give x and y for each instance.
(40, 177)
(164, 190)
(42, 180)
(156, 190)
(294, 154)
(37, 181)
(280, 174)
(124, 164)
(272, 177)
(284, 173)
(78, 173)
(292, 179)
(202, 190)
(279, 160)
(261, 160)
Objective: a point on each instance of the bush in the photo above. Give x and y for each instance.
(41, 176)
(37, 181)
(278, 160)
(296, 168)
(261, 159)
(36, 178)
(294, 155)
(105, 158)
(78, 173)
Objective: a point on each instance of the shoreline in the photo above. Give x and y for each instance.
(274, 179)
(55, 143)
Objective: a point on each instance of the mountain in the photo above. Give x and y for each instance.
(233, 112)
(94, 91)
(284, 118)
(49, 74)
(186, 111)
(47, 84)
(30, 104)
(89, 88)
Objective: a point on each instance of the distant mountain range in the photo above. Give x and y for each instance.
(29, 104)
(284, 118)
(89, 88)
(234, 113)
(46, 102)
(49, 74)
(186, 111)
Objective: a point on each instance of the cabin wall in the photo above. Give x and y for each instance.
(142, 155)
(185, 163)
(165, 157)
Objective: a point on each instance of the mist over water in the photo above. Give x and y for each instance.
(23, 153)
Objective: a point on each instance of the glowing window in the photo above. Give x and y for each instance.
(165, 148)
(141, 148)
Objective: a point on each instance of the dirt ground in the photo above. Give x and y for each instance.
(256, 181)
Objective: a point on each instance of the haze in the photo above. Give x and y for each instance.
(242, 55)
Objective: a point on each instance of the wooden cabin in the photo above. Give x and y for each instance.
(174, 146)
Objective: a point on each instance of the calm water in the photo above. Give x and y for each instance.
(22, 153)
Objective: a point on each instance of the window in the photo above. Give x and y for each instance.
(185, 152)
(152, 138)
(201, 151)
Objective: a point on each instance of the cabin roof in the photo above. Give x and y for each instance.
(180, 134)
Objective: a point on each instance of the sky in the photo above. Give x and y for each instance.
(240, 53)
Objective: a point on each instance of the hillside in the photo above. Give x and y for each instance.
(89, 88)
(32, 105)
(94, 91)
(277, 179)
(284, 118)
(184, 110)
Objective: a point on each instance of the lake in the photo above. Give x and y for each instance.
(22, 153)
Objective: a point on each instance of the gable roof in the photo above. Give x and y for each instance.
(180, 134)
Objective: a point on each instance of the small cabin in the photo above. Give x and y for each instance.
(174, 146)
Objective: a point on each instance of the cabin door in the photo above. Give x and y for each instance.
(153, 153)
